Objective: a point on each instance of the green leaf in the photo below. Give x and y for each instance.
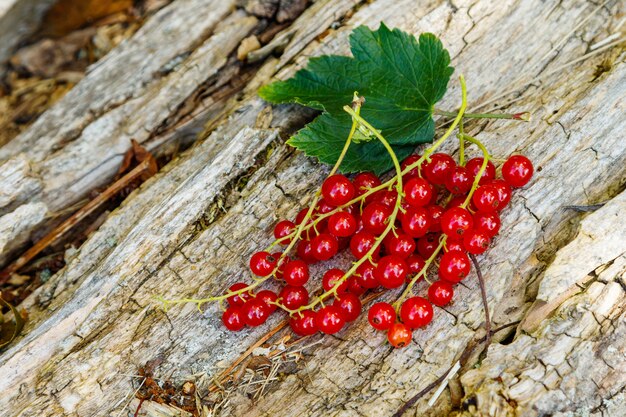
(401, 79)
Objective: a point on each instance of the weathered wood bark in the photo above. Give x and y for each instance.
(189, 230)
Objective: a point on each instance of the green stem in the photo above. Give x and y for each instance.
(486, 158)
(461, 145)
(524, 116)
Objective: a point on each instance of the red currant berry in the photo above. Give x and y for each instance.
(454, 266)
(294, 297)
(239, 299)
(381, 316)
(296, 273)
(269, 298)
(488, 223)
(365, 276)
(415, 263)
(375, 217)
(459, 181)
(435, 211)
(349, 306)
(233, 318)
(455, 222)
(440, 293)
(361, 243)
(416, 312)
(301, 215)
(452, 244)
(486, 199)
(329, 319)
(427, 245)
(282, 229)
(323, 207)
(255, 312)
(476, 242)
(391, 271)
(331, 277)
(517, 170)
(458, 201)
(387, 198)
(473, 166)
(305, 251)
(401, 245)
(342, 224)
(303, 323)
(354, 287)
(399, 335)
(364, 181)
(504, 192)
(418, 192)
(325, 246)
(337, 190)
(410, 160)
(439, 168)
(415, 221)
(262, 264)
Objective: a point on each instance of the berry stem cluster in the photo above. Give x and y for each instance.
(431, 212)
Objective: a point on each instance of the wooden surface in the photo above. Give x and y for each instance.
(190, 229)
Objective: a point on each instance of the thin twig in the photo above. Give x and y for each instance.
(67, 225)
(462, 359)
(483, 294)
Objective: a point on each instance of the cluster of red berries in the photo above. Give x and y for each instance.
(432, 215)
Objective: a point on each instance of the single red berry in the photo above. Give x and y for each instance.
(476, 242)
(305, 251)
(325, 246)
(381, 316)
(439, 168)
(473, 166)
(399, 335)
(415, 263)
(454, 266)
(323, 207)
(293, 297)
(517, 170)
(418, 192)
(440, 293)
(375, 217)
(342, 224)
(455, 222)
(459, 181)
(504, 192)
(410, 160)
(364, 181)
(331, 277)
(284, 228)
(269, 298)
(361, 243)
(416, 312)
(301, 215)
(391, 271)
(296, 273)
(303, 323)
(354, 287)
(486, 199)
(255, 312)
(365, 275)
(337, 190)
(349, 306)
(453, 244)
(329, 319)
(488, 223)
(387, 198)
(435, 211)
(415, 221)
(427, 245)
(239, 299)
(262, 264)
(233, 318)
(401, 245)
